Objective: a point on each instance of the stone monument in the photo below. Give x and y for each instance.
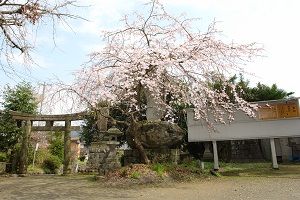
(102, 152)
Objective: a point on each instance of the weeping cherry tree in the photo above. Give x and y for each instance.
(155, 55)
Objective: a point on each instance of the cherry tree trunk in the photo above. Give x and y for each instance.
(132, 133)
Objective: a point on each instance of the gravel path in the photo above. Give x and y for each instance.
(81, 187)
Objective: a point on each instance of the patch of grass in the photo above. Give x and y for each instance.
(245, 169)
(159, 169)
(135, 175)
(258, 169)
(263, 169)
(35, 170)
(182, 172)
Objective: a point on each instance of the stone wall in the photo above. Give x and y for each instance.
(287, 149)
(155, 155)
(244, 151)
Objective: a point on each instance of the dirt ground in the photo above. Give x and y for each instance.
(83, 187)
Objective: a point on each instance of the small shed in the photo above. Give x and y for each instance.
(275, 119)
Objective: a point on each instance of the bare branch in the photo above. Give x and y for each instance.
(16, 17)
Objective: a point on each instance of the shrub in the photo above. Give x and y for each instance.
(51, 164)
(31, 150)
(40, 156)
(56, 148)
(2, 157)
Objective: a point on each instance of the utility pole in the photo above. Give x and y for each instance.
(43, 96)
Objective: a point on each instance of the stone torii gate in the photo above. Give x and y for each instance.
(49, 119)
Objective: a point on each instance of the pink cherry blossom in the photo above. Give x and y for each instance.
(166, 54)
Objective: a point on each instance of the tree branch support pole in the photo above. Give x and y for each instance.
(274, 156)
(67, 148)
(24, 150)
(216, 159)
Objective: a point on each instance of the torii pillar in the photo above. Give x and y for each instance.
(24, 151)
(67, 148)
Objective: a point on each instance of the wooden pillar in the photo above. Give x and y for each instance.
(216, 159)
(273, 151)
(24, 150)
(67, 148)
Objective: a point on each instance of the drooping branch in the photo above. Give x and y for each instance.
(16, 17)
(14, 44)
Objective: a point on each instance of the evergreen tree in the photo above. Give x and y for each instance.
(89, 129)
(19, 98)
(263, 92)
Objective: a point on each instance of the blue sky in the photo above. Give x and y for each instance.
(272, 23)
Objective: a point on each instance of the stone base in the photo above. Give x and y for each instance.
(208, 156)
(102, 157)
(155, 155)
(97, 152)
(110, 163)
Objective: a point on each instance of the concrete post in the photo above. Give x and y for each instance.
(24, 151)
(67, 148)
(216, 159)
(273, 151)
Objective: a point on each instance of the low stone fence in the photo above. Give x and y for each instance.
(155, 155)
